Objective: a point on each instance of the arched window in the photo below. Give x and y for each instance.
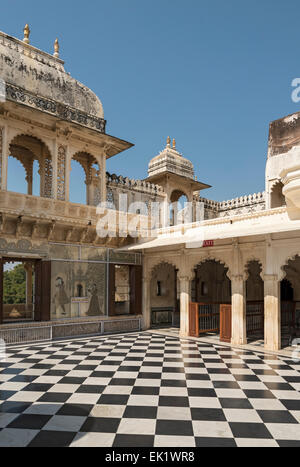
(30, 168)
(179, 209)
(84, 179)
(277, 197)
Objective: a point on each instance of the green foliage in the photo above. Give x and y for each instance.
(14, 286)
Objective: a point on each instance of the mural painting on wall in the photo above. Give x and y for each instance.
(94, 305)
(78, 289)
(60, 297)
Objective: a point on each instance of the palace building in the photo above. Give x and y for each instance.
(230, 269)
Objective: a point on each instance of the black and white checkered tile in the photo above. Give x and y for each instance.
(147, 390)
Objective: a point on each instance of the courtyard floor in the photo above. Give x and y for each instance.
(147, 390)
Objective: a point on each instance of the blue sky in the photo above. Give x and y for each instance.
(211, 73)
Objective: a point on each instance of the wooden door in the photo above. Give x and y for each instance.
(42, 301)
(46, 291)
(38, 290)
(111, 290)
(225, 323)
(193, 320)
(1, 291)
(136, 284)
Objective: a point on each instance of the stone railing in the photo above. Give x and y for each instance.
(129, 184)
(34, 216)
(241, 205)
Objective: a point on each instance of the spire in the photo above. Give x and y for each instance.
(26, 34)
(56, 48)
(168, 142)
(174, 143)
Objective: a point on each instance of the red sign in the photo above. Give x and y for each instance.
(208, 243)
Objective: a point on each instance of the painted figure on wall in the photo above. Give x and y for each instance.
(60, 297)
(94, 306)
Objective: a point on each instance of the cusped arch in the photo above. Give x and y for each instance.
(176, 194)
(18, 137)
(215, 258)
(160, 263)
(277, 198)
(289, 259)
(28, 147)
(253, 259)
(86, 160)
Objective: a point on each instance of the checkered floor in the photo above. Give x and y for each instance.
(147, 390)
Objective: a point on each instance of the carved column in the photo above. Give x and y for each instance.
(146, 302)
(61, 173)
(238, 301)
(47, 175)
(102, 175)
(272, 312)
(89, 184)
(29, 176)
(185, 298)
(4, 152)
(51, 166)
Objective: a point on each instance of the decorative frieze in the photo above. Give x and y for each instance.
(62, 111)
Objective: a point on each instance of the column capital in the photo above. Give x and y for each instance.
(183, 278)
(270, 277)
(238, 277)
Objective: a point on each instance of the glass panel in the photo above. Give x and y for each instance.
(93, 254)
(64, 252)
(78, 289)
(18, 283)
(124, 257)
(122, 290)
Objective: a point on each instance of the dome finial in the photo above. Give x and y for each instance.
(168, 142)
(174, 143)
(26, 34)
(56, 48)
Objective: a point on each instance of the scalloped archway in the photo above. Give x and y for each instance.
(84, 171)
(28, 150)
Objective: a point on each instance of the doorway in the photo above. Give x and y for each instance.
(24, 290)
(125, 290)
(210, 310)
(164, 297)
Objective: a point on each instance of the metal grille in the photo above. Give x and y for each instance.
(209, 317)
(255, 318)
(288, 313)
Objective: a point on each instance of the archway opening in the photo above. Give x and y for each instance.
(179, 208)
(84, 179)
(290, 303)
(18, 291)
(164, 300)
(255, 303)
(17, 183)
(30, 168)
(211, 301)
(77, 183)
(277, 197)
